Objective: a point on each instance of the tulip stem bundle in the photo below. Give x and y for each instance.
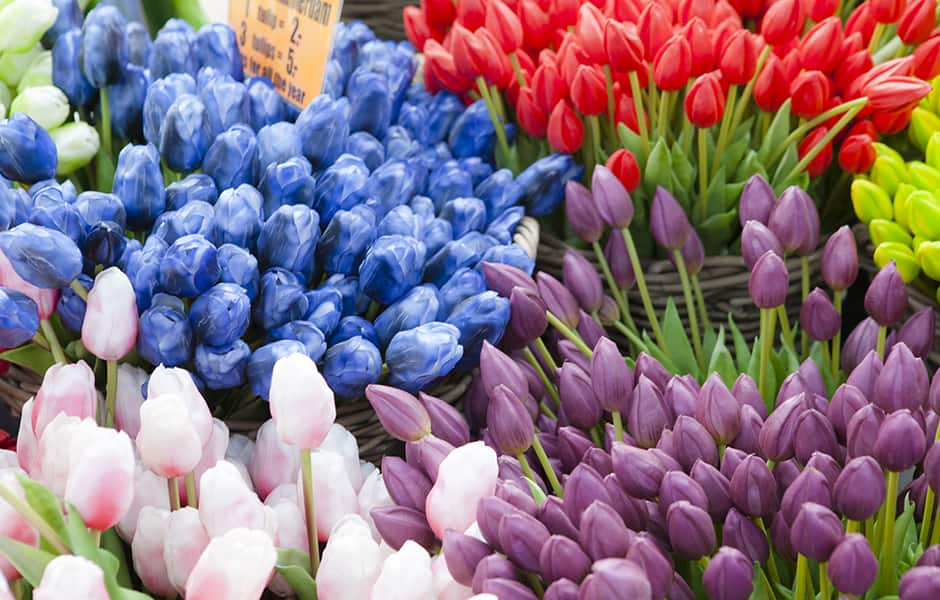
(785, 329)
(802, 579)
(49, 333)
(79, 289)
(609, 82)
(173, 491)
(690, 308)
(192, 498)
(547, 467)
(306, 469)
(546, 355)
(549, 386)
(806, 126)
(744, 101)
(724, 130)
(767, 322)
(494, 117)
(830, 135)
(641, 285)
(886, 568)
(572, 336)
(824, 591)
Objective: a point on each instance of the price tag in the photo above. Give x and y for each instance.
(287, 41)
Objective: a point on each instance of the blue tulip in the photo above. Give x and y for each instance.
(423, 208)
(138, 182)
(172, 52)
(164, 336)
(238, 266)
(472, 134)
(340, 185)
(463, 252)
(143, 269)
(126, 99)
(418, 356)
(437, 234)
(414, 118)
(422, 304)
(217, 47)
(51, 210)
(189, 267)
(19, 318)
(443, 111)
(324, 309)
(392, 266)
(261, 364)
(66, 74)
(227, 104)
(160, 96)
(344, 242)
(222, 368)
(399, 144)
(449, 181)
(70, 306)
(95, 207)
(289, 240)
(503, 227)
(104, 51)
(478, 169)
(401, 221)
(184, 135)
(334, 79)
(238, 216)
(280, 299)
(70, 16)
(462, 284)
(352, 365)
(66, 190)
(512, 255)
(232, 158)
(367, 147)
(139, 44)
(323, 127)
(543, 183)
(465, 215)
(22, 205)
(27, 152)
(43, 257)
(105, 243)
(353, 326)
(220, 315)
(418, 94)
(197, 217)
(277, 143)
(287, 183)
(195, 186)
(267, 107)
(304, 332)
(131, 248)
(482, 317)
(180, 25)
(392, 184)
(354, 301)
(7, 208)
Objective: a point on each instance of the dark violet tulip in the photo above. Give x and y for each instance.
(490, 511)
(692, 442)
(558, 299)
(668, 220)
(776, 437)
(267, 106)
(352, 365)
(611, 378)
(238, 216)
(748, 438)
(583, 281)
(746, 392)
(226, 104)
(814, 432)
(422, 304)
(691, 532)
(653, 370)
(769, 281)
(756, 239)
(139, 44)
(70, 306)
(237, 266)
(43, 257)
(217, 47)
(717, 488)
(886, 298)
(51, 210)
(261, 364)
(614, 576)
(391, 267)
(577, 397)
(818, 317)
(901, 442)
(572, 446)
(795, 221)
(288, 239)
(584, 486)
(19, 318)
(398, 524)
(920, 583)
(447, 423)
(729, 575)
(416, 357)
(324, 126)
(222, 368)
(281, 299)
(138, 182)
(503, 278)
(164, 336)
(27, 152)
(852, 565)
(231, 159)
(277, 143)
(472, 133)
(172, 52)
(903, 381)
(185, 134)
(196, 186)
(511, 254)
(286, 184)
(918, 332)
(639, 471)
(104, 244)
(66, 74)
(602, 532)
(160, 96)
(507, 588)
(858, 346)
(862, 429)
(839, 263)
(304, 332)
(126, 98)
(480, 318)
(498, 368)
(344, 242)
(583, 215)
(104, 53)
(648, 414)
(816, 532)
(718, 410)
(809, 486)
(753, 488)
(611, 198)
(220, 315)
(189, 267)
(677, 486)
(930, 557)
(409, 486)
(522, 537)
(757, 201)
(744, 534)
(563, 558)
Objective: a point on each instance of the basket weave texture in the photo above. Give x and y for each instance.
(383, 17)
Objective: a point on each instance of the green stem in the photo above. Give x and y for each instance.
(771, 563)
(596, 438)
(853, 526)
(702, 175)
(526, 469)
(785, 328)
(618, 425)
(611, 112)
(572, 336)
(690, 308)
(824, 591)
(110, 402)
(935, 535)
(595, 125)
(644, 292)
(700, 300)
(804, 282)
(105, 123)
(766, 341)
(79, 289)
(663, 121)
(745, 100)
(928, 517)
(876, 37)
(547, 467)
(192, 496)
(830, 135)
(630, 335)
(49, 333)
(535, 583)
(174, 492)
(802, 575)
(723, 130)
(306, 469)
(882, 337)
(886, 572)
(546, 355)
(803, 128)
(549, 386)
(96, 537)
(520, 76)
(494, 118)
(612, 285)
(837, 340)
(640, 111)
(767, 584)
(35, 519)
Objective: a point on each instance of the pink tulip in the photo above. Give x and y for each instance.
(226, 502)
(147, 551)
(214, 450)
(291, 532)
(12, 523)
(45, 299)
(373, 494)
(8, 459)
(302, 403)
(101, 478)
(186, 539)
(27, 442)
(68, 389)
(180, 383)
(351, 563)
(240, 448)
(129, 398)
(5, 593)
(452, 502)
(333, 494)
(445, 588)
(168, 443)
(67, 577)
(406, 575)
(340, 441)
(149, 490)
(109, 330)
(273, 462)
(55, 449)
(235, 566)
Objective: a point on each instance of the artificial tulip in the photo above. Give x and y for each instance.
(302, 404)
(68, 389)
(101, 477)
(167, 441)
(236, 565)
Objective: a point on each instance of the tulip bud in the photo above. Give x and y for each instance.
(399, 412)
(168, 443)
(886, 298)
(236, 564)
(691, 532)
(623, 164)
(68, 389)
(816, 532)
(185, 541)
(101, 478)
(782, 22)
(510, 425)
(692, 441)
(705, 102)
(558, 300)
(769, 281)
(717, 489)
(729, 575)
(639, 471)
(614, 576)
(70, 576)
(809, 486)
(672, 65)
(611, 378)
(795, 221)
(852, 565)
(398, 524)
(582, 279)
(757, 201)
(742, 533)
(818, 317)
(903, 381)
(452, 501)
(109, 329)
(648, 414)
(565, 129)
(918, 332)
(588, 92)
(839, 262)
(602, 532)
(753, 488)
(901, 442)
(577, 398)
(718, 410)
(668, 220)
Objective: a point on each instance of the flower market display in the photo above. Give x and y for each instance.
(264, 350)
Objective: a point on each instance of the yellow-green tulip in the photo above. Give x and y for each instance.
(45, 104)
(923, 124)
(23, 22)
(882, 230)
(13, 65)
(76, 143)
(900, 205)
(932, 154)
(902, 256)
(924, 213)
(870, 201)
(928, 256)
(888, 172)
(38, 73)
(923, 176)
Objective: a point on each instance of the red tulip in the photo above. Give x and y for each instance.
(655, 28)
(537, 28)
(818, 165)
(624, 11)
(625, 111)
(861, 21)
(749, 9)
(895, 93)
(590, 32)
(770, 89)
(416, 27)
(887, 123)
(817, 10)
(570, 57)
(549, 87)
(589, 91)
(503, 23)
(565, 129)
(857, 154)
(439, 13)
(564, 13)
(623, 46)
(852, 68)
(852, 44)
(864, 127)
(925, 63)
(722, 13)
(471, 13)
(897, 67)
(738, 58)
(532, 118)
(820, 47)
(623, 164)
(500, 71)
(673, 64)
(690, 9)
(917, 21)
(887, 11)
(470, 53)
(701, 46)
(705, 102)
(809, 93)
(782, 22)
(439, 66)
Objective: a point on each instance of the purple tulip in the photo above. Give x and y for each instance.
(615, 251)
(839, 263)
(599, 460)
(431, 451)
(680, 589)
(933, 396)
(748, 438)
(814, 432)
(583, 281)
(647, 553)
(809, 486)
(846, 400)
(611, 198)
(563, 558)
(572, 444)
(742, 533)
(862, 430)
(616, 578)
(718, 410)
(757, 200)
(562, 589)
(589, 329)
(693, 442)
(811, 374)
(680, 397)
(769, 281)
(527, 318)
(558, 300)
(930, 557)
(776, 437)
(901, 442)
(490, 512)
(903, 381)
(462, 554)
(567, 351)
(852, 565)
(639, 471)
(730, 461)
(717, 488)
(582, 214)
(932, 466)
(611, 378)
(508, 589)
(818, 317)
(858, 345)
(406, 485)
(498, 368)
(757, 240)
(729, 575)
(746, 392)
(668, 220)
(785, 473)
(398, 524)
(510, 425)
(920, 583)
(780, 538)
(918, 332)
(552, 514)
(886, 298)
(447, 422)
(513, 493)
(669, 463)
(693, 253)
(795, 221)
(603, 533)
(648, 414)
(521, 537)
(577, 397)
(494, 566)
(826, 465)
(816, 531)
(753, 488)
(691, 532)
(653, 370)
(583, 487)
(677, 486)
(399, 412)
(502, 278)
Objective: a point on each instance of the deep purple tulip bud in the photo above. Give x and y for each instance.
(920, 583)
(814, 432)
(669, 463)
(826, 465)
(498, 368)
(577, 397)
(510, 425)
(512, 492)
(552, 514)
(462, 554)
(846, 400)
(932, 466)
(589, 329)
(649, 555)
(859, 344)
(599, 460)
(753, 488)
(918, 332)
(611, 198)
(816, 531)
(862, 430)
(399, 412)
(731, 459)
(678, 486)
(490, 511)
(521, 537)
(812, 377)
(398, 524)
(616, 578)
(563, 558)
(693, 442)
(757, 200)
(558, 300)
(769, 281)
(527, 318)
(809, 486)
(668, 220)
(609, 311)
(648, 414)
(508, 589)
(568, 352)
(903, 382)
(502, 278)
(818, 317)
(447, 422)
(795, 221)
(693, 253)
(930, 557)
(494, 566)
(742, 533)
(792, 385)
(611, 378)
(691, 532)
(776, 437)
(852, 565)
(639, 471)
(615, 251)
(780, 538)
(572, 444)
(603, 533)
(718, 410)
(653, 370)
(666, 446)
(729, 575)
(582, 214)
(746, 392)
(406, 485)
(901, 442)
(680, 589)
(748, 438)
(839, 262)
(475, 402)
(886, 298)
(583, 281)
(717, 488)
(431, 451)
(865, 375)
(785, 473)
(680, 397)
(757, 240)
(562, 589)
(582, 488)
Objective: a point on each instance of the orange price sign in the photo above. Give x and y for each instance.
(287, 41)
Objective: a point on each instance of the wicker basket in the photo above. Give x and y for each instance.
(18, 385)
(723, 280)
(383, 17)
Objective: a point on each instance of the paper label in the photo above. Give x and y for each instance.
(287, 41)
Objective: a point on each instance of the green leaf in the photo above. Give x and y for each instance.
(905, 530)
(656, 352)
(28, 560)
(742, 351)
(710, 339)
(75, 350)
(677, 342)
(716, 230)
(682, 167)
(658, 167)
(749, 166)
(721, 361)
(537, 492)
(29, 356)
(45, 503)
(104, 170)
(789, 160)
(294, 565)
(816, 353)
(634, 143)
(776, 134)
(733, 154)
(80, 539)
(733, 194)
(113, 544)
(715, 194)
(760, 591)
